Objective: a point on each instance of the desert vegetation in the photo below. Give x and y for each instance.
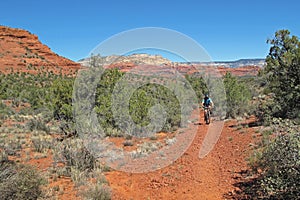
(37, 122)
(275, 162)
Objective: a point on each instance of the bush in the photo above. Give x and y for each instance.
(281, 163)
(61, 98)
(19, 182)
(5, 111)
(275, 166)
(37, 124)
(42, 143)
(97, 192)
(104, 97)
(237, 96)
(74, 154)
(147, 97)
(198, 84)
(29, 88)
(141, 103)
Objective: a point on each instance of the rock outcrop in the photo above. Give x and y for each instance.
(22, 51)
(134, 59)
(157, 65)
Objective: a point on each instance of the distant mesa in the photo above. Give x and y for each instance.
(148, 59)
(240, 63)
(135, 59)
(159, 64)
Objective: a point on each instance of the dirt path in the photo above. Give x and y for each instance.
(190, 177)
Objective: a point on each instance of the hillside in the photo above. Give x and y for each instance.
(21, 50)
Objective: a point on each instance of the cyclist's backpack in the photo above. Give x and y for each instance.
(206, 102)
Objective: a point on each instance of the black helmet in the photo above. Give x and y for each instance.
(206, 95)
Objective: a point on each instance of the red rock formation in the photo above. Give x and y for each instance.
(240, 71)
(187, 69)
(22, 51)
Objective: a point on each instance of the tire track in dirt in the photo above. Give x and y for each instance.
(211, 138)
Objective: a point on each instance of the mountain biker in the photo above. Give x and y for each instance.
(207, 102)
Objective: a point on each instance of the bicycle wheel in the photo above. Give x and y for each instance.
(208, 117)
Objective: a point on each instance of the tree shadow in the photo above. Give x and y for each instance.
(249, 124)
(246, 187)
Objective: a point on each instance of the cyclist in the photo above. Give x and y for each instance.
(207, 102)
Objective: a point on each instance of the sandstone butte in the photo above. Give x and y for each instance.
(21, 51)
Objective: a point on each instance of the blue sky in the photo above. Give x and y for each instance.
(228, 30)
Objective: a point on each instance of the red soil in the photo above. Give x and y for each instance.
(66, 185)
(190, 177)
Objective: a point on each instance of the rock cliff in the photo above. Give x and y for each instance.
(21, 50)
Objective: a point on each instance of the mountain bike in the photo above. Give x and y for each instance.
(206, 114)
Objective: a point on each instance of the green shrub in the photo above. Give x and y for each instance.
(104, 98)
(275, 168)
(74, 154)
(19, 182)
(141, 102)
(264, 110)
(61, 98)
(5, 111)
(281, 163)
(27, 88)
(97, 192)
(150, 95)
(78, 177)
(3, 157)
(237, 96)
(42, 143)
(12, 146)
(198, 84)
(37, 124)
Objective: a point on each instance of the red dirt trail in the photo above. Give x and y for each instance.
(190, 177)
